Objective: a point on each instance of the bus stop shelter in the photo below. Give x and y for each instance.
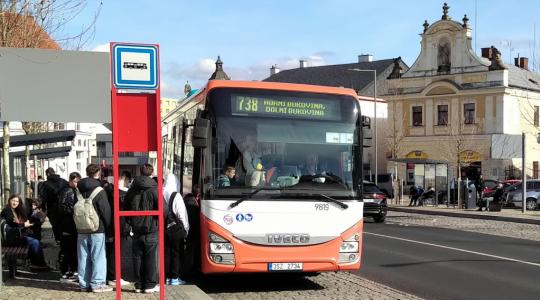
(425, 173)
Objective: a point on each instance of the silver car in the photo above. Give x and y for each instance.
(513, 197)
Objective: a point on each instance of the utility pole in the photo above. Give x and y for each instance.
(523, 173)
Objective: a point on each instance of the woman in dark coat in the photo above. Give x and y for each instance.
(16, 217)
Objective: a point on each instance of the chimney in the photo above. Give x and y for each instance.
(365, 58)
(524, 63)
(487, 53)
(303, 64)
(274, 70)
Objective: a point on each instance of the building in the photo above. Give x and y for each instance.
(172, 127)
(468, 110)
(167, 104)
(360, 77)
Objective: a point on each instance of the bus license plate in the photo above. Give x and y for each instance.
(285, 266)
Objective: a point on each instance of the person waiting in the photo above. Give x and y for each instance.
(16, 217)
(226, 178)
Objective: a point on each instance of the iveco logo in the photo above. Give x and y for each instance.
(287, 238)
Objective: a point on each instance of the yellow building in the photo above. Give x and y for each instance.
(167, 105)
(468, 110)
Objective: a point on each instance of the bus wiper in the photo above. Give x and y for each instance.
(250, 195)
(330, 199)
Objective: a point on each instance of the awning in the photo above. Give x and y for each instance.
(40, 138)
(44, 153)
(418, 161)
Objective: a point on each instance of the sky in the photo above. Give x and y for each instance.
(251, 36)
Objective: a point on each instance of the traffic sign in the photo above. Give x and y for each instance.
(135, 66)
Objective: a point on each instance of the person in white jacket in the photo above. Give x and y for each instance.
(174, 249)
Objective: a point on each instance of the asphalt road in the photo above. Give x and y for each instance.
(435, 263)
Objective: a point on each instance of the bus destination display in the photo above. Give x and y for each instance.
(289, 107)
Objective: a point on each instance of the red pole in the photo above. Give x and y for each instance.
(117, 250)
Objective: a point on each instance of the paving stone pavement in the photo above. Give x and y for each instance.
(340, 285)
(500, 228)
(46, 285)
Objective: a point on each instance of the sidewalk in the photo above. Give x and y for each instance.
(506, 214)
(45, 285)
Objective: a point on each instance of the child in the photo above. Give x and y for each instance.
(224, 180)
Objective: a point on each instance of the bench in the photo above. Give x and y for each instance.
(11, 254)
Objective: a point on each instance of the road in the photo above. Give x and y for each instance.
(435, 263)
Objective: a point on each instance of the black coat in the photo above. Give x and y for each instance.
(146, 187)
(101, 203)
(50, 192)
(65, 219)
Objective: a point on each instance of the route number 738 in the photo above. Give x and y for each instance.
(322, 206)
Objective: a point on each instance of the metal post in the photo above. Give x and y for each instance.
(375, 123)
(182, 149)
(523, 173)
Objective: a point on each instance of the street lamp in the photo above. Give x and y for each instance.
(374, 114)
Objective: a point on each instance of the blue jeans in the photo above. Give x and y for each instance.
(92, 260)
(36, 254)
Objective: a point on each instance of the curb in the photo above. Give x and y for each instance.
(464, 215)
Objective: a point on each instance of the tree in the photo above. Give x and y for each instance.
(459, 141)
(39, 24)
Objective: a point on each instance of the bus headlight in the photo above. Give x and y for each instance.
(220, 250)
(348, 251)
(347, 247)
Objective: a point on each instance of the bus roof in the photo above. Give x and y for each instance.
(292, 87)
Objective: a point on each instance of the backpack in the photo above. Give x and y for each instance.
(142, 200)
(84, 214)
(173, 226)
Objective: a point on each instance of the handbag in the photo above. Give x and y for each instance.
(174, 228)
(13, 236)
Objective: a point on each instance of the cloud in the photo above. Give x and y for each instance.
(102, 48)
(199, 72)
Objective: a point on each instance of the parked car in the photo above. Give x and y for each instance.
(490, 186)
(375, 204)
(532, 199)
(384, 183)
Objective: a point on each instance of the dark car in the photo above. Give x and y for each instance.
(375, 205)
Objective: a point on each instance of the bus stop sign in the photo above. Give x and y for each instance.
(135, 66)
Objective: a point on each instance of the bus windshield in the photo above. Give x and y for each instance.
(283, 140)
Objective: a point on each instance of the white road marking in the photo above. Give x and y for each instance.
(457, 249)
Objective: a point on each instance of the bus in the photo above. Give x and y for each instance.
(295, 202)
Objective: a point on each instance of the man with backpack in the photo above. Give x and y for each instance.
(49, 192)
(92, 216)
(68, 242)
(142, 196)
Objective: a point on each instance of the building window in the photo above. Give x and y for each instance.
(84, 143)
(417, 115)
(79, 143)
(469, 112)
(79, 154)
(535, 170)
(537, 116)
(79, 167)
(59, 126)
(77, 126)
(442, 115)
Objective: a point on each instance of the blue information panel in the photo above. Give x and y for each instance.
(135, 66)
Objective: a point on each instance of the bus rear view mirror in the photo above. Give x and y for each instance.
(366, 132)
(200, 133)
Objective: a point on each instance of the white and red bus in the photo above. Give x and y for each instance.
(295, 203)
